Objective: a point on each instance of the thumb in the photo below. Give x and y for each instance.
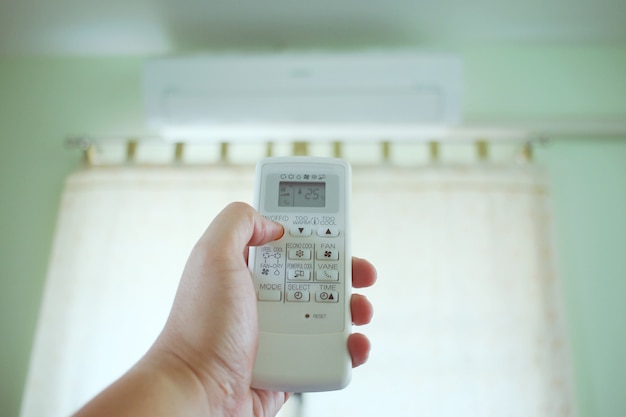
(236, 227)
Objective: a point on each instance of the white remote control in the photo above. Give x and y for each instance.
(303, 281)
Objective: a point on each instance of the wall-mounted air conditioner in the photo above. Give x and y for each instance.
(308, 96)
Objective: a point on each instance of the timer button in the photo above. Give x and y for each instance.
(327, 297)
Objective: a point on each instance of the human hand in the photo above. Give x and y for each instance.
(214, 319)
(205, 354)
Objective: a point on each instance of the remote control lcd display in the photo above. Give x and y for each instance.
(302, 194)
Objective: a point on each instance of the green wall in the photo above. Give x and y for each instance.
(42, 100)
(589, 194)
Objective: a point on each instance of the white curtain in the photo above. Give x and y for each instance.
(467, 321)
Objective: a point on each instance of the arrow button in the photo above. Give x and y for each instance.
(328, 231)
(300, 231)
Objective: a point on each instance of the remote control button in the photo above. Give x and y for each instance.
(327, 297)
(268, 255)
(300, 231)
(298, 296)
(327, 275)
(328, 231)
(269, 295)
(299, 253)
(327, 255)
(299, 274)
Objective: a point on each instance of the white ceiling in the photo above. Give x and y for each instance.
(61, 27)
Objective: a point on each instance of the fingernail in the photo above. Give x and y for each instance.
(282, 231)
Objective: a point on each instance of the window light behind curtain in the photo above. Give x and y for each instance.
(467, 313)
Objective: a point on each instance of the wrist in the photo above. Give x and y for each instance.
(203, 384)
(158, 385)
(182, 390)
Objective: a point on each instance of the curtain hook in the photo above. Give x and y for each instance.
(527, 152)
(337, 149)
(89, 155)
(131, 150)
(224, 152)
(433, 150)
(386, 151)
(482, 150)
(179, 151)
(300, 148)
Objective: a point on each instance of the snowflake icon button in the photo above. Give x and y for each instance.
(299, 254)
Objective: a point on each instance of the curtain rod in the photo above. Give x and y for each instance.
(483, 135)
(487, 130)
(128, 150)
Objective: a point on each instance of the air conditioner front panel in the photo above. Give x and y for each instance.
(224, 92)
(198, 109)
